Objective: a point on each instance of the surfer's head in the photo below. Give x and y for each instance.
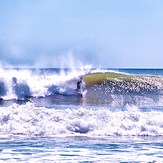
(81, 78)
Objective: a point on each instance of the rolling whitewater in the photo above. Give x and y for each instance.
(117, 119)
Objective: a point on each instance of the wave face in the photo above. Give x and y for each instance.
(122, 83)
(120, 88)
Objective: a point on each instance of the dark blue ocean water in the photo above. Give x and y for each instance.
(119, 121)
(142, 71)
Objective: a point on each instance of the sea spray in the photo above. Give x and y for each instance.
(38, 80)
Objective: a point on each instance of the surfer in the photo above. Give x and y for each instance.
(80, 85)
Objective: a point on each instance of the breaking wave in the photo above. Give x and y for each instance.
(104, 87)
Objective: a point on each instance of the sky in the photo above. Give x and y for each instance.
(100, 33)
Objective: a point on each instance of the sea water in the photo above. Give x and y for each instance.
(118, 120)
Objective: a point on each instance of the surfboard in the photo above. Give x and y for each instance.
(81, 93)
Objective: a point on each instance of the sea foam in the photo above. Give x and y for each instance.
(40, 121)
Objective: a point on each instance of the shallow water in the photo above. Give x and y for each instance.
(81, 149)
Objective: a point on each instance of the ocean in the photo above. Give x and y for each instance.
(43, 120)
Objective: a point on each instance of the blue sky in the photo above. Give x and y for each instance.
(101, 33)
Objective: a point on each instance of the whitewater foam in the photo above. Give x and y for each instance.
(37, 81)
(31, 120)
